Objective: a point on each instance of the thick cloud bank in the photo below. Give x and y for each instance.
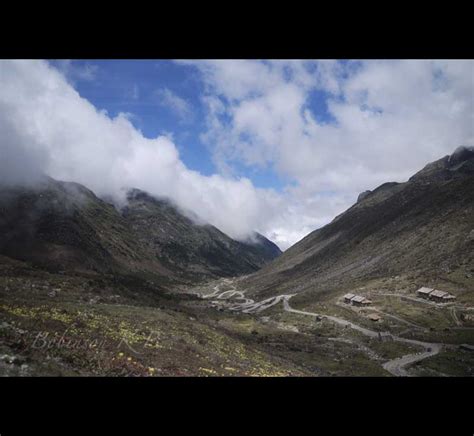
(383, 122)
(47, 127)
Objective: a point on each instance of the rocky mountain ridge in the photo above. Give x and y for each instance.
(422, 228)
(63, 225)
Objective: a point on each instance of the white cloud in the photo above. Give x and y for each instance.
(74, 71)
(134, 92)
(47, 126)
(175, 103)
(391, 118)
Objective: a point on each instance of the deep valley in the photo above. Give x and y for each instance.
(90, 288)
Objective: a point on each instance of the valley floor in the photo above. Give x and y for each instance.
(409, 336)
(68, 325)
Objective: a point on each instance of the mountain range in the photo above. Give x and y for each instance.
(159, 292)
(65, 226)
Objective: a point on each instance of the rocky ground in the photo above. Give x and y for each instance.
(72, 325)
(54, 324)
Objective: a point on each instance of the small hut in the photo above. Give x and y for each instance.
(358, 300)
(438, 295)
(424, 292)
(448, 298)
(348, 298)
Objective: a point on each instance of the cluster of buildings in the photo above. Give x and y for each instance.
(356, 300)
(435, 295)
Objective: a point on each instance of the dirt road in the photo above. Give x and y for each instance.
(397, 367)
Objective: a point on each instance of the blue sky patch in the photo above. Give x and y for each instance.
(165, 97)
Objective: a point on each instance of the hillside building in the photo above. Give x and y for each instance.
(448, 298)
(358, 300)
(435, 295)
(424, 292)
(438, 295)
(348, 298)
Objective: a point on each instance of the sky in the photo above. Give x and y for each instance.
(275, 146)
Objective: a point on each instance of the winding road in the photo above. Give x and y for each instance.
(396, 366)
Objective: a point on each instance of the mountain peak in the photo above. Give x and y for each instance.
(449, 166)
(461, 154)
(363, 195)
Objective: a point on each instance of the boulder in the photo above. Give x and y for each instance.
(363, 195)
